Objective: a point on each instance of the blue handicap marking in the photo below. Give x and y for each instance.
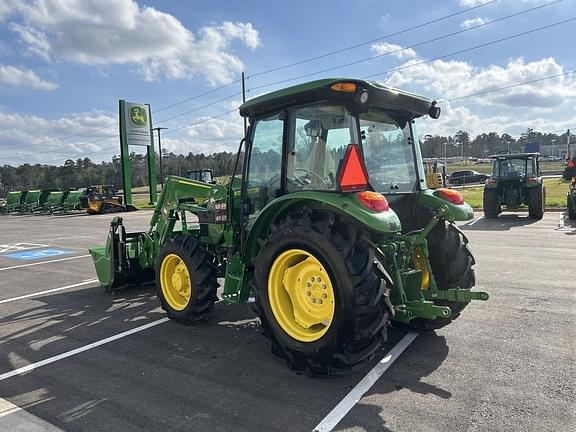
(38, 254)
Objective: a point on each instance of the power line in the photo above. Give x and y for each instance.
(341, 50)
(199, 108)
(428, 41)
(425, 61)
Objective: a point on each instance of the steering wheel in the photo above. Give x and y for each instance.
(308, 174)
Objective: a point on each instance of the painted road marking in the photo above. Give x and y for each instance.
(19, 247)
(38, 254)
(561, 222)
(339, 412)
(474, 221)
(48, 291)
(42, 262)
(33, 366)
(14, 418)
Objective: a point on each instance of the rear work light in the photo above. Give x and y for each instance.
(373, 201)
(353, 175)
(451, 195)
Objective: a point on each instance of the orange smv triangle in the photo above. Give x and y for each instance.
(353, 175)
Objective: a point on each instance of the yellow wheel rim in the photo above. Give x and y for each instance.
(175, 282)
(301, 295)
(421, 263)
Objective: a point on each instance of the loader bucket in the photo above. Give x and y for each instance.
(117, 263)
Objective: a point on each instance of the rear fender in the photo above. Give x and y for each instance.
(345, 204)
(456, 212)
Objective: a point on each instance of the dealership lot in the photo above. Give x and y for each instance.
(113, 362)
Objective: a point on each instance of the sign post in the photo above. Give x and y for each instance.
(136, 129)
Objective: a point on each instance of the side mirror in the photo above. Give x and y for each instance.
(434, 111)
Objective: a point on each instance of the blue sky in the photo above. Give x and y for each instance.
(65, 63)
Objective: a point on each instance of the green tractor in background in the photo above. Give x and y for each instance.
(516, 179)
(327, 223)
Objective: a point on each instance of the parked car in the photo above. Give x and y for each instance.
(467, 176)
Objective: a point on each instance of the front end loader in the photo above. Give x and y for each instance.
(327, 222)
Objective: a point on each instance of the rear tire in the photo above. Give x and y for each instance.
(536, 202)
(451, 263)
(491, 203)
(186, 279)
(358, 325)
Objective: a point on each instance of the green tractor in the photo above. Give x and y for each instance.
(571, 199)
(327, 223)
(516, 180)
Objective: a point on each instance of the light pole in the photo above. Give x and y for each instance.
(158, 129)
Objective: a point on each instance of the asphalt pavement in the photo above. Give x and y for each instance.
(105, 362)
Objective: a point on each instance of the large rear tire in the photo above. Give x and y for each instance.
(451, 263)
(491, 203)
(312, 259)
(536, 202)
(186, 279)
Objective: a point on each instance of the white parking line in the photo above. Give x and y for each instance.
(91, 281)
(339, 412)
(73, 352)
(561, 221)
(474, 221)
(43, 262)
(4, 248)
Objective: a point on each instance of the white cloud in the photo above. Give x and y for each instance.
(472, 22)
(34, 139)
(102, 32)
(13, 76)
(384, 48)
(453, 79)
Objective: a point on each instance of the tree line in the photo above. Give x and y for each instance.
(83, 172)
(485, 144)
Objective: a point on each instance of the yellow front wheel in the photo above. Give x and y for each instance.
(186, 279)
(175, 282)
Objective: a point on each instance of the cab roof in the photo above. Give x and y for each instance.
(320, 90)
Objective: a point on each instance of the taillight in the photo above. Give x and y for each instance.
(353, 175)
(532, 180)
(374, 201)
(451, 195)
(491, 181)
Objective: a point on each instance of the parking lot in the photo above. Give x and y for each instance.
(100, 362)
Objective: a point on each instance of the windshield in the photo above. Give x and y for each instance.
(515, 168)
(388, 153)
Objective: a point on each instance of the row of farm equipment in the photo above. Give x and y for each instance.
(95, 199)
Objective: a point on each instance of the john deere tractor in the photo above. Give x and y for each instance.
(327, 223)
(516, 180)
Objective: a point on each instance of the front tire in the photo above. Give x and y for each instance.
(186, 279)
(308, 259)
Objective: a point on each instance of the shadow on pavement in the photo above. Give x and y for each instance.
(504, 222)
(420, 359)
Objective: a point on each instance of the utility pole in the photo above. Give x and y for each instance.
(568, 144)
(158, 129)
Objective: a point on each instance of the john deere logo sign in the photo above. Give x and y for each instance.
(138, 116)
(136, 124)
